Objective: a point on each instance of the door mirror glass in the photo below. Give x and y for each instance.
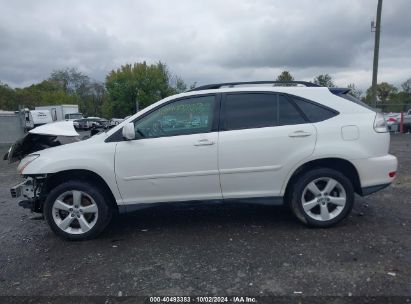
(128, 131)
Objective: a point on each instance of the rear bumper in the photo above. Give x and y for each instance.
(375, 172)
(372, 189)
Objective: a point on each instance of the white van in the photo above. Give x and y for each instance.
(35, 118)
(59, 112)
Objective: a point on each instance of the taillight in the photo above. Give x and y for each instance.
(380, 125)
(392, 174)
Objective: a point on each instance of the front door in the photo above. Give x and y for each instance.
(174, 155)
(263, 135)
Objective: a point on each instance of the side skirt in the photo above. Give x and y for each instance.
(265, 201)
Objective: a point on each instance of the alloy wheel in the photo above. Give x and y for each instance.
(75, 212)
(323, 199)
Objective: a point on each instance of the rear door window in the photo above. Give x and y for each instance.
(288, 113)
(249, 110)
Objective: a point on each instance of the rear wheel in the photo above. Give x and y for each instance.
(322, 197)
(77, 211)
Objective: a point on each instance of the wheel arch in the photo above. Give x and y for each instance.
(339, 164)
(55, 179)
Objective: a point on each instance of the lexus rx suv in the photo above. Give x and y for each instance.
(310, 147)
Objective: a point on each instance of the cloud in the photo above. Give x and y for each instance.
(205, 40)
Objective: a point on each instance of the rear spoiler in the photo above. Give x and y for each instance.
(339, 91)
(343, 93)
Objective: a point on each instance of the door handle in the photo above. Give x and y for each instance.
(204, 142)
(299, 133)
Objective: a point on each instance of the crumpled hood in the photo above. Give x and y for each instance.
(72, 147)
(59, 128)
(43, 137)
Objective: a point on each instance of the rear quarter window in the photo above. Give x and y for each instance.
(313, 111)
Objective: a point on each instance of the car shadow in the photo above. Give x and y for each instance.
(201, 216)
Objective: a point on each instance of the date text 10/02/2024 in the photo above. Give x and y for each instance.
(236, 299)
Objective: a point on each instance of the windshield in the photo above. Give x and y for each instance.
(76, 116)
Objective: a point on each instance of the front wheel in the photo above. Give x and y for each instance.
(322, 197)
(77, 211)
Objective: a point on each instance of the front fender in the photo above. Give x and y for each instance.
(94, 157)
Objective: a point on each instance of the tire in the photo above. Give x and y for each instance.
(80, 208)
(310, 201)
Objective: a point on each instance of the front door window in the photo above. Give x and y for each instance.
(182, 117)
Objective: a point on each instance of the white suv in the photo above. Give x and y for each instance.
(310, 147)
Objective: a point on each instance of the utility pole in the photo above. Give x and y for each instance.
(377, 29)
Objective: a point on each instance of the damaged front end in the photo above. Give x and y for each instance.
(40, 138)
(30, 191)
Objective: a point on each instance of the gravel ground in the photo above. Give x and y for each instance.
(216, 250)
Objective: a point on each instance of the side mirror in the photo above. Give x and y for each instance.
(128, 131)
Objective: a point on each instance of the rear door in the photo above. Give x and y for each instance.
(262, 136)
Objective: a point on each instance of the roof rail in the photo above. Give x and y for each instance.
(233, 84)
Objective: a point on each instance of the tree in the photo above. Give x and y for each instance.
(385, 93)
(139, 83)
(324, 80)
(399, 102)
(117, 96)
(180, 86)
(88, 94)
(406, 86)
(44, 93)
(7, 98)
(72, 80)
(75, 84)
(98, 96)
(354, 91)
(285, 76)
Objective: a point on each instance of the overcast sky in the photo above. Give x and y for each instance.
(205, 41)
